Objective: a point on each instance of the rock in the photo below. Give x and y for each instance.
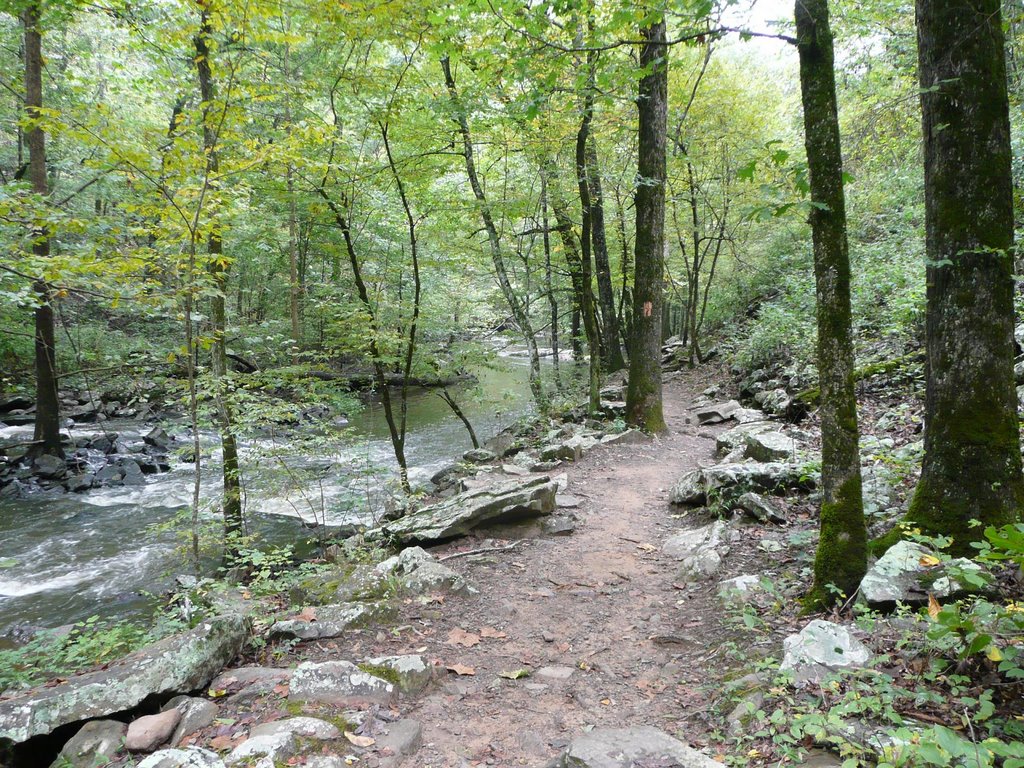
(739, 589)
(633, 747)
(247, 683)
(329, 621)
(629, 437)
(159, 439)
(558, 525)
(701, 550)
(275, 748)
(748, 415)
(561, 452)
(16, 404)
(728, 481)
(176, 664)
(448, 476)
(410, 673)
(196, 714)
(49, 467)
(190, 757)
(150, 731)
(758, 507)
(96, 743)
(133, 474)
(479, 456)
(464, 512)
(878, 489)
(401, 739)
(716, 414)
(306, 727)
(515, 470)
(419, 572)
(338, 682)
(80, 483)
(820, 649)
(737, 436)
(907, 573)
(555, 672)
(566, 501)
(769, 446)
(109, 475)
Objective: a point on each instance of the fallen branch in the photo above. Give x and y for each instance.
(481, 551)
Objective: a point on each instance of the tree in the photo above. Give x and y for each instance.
(46, 436)
(643, 395)
(972, 462)
(841, 558)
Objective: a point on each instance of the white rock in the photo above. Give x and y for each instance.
(820, 649)
(189, 757)
(275, 747)
(307, 727)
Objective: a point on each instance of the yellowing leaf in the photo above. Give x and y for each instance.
(994, 654)
(928, 560)
(359, 741)
(515, 674)
(933, 606)
(216, 693)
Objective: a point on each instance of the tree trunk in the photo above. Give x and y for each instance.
(549, 284)
(972, 462)
(643, 395)
(613, 359)
(841, 558)
(46, 434)
(232, 501)
(519, 314)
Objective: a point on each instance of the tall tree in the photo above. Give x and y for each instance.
(47, 422)
(841, 559)
(972, 462)
(643, 395)
(213, 121)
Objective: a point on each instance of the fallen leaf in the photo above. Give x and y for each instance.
(515, 674)
(220, 743)
(459, 636)
(359, 741)
(216, 693)
(281, 689)
(491, 632)
(933, 606)
(461, 669)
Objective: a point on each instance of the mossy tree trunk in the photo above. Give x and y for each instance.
(972, 461)
(841, 558)
(643, 395)
(46, 434)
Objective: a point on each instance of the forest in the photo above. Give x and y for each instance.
(587, 384)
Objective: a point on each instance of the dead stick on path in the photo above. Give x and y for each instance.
(513, 545)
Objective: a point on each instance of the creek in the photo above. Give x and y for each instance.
(111, 551)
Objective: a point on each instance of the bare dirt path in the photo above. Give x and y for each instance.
(608, 635)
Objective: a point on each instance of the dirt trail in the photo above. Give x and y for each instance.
(597, 617)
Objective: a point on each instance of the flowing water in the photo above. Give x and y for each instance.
(65, 557)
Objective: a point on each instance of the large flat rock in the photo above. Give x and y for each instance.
(640, 745)
(457, 516)
(176, 664)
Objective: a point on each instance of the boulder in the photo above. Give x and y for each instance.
(49, 467)
(276, 748)
(821, 649)
(463, 512)
(561, 452)
(769, 446)
(419, 572)
(908, 572)
(730, 440)
(196, 714)
(739, 590)
(640, 745)
(758, 507)
(176, 664)
(159, 439)
(96, 743)
(729, 481)
(718, 413)
(629, 437)
(701, 549)
(80, 483)
(400, 739)
(878, 489)
(190, 757)
(306, 727)
(328, 620)
(479, 456)
(148, 732)
(340, 683)
(559, 525)
(410, 673)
